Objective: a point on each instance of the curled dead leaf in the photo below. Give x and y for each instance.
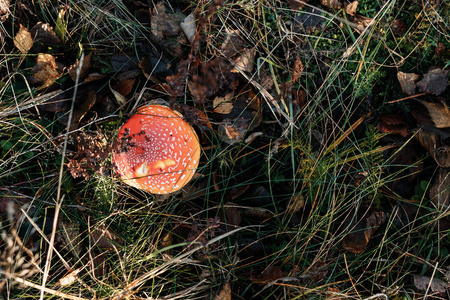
(438, 112)
(167, 240)
(350, 8)
(69, 278)
(85, 67)
(44, 72)
(432, 143)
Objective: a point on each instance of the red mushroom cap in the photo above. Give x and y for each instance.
(158, 151)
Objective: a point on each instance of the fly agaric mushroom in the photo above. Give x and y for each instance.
(158, 151)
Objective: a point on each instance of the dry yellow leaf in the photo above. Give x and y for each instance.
(23, 40)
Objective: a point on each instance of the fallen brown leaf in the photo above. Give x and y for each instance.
(434, 82)
(43, 35)
(358, 240)
(296, 5)
(233, 131)
(225, 293)
(440, 49)
(165, 24)
(350, 8)
(295, 204)
(399, 27)
(440, 189)
(198, 90)
(438, 112)
(268, 275)
(245, 62)
(232, 43)
(393, 124)
(166, 240)
(362, 21)
(432, 143)
(223, 105)
(44, 72)
(232, 218)
(80, 110)
(100, 266)
(4, 10)
(23, 40)
(124, 87)
(298, 69)
(408, 82)
(435, 285)
(118, 96)
(84, 72)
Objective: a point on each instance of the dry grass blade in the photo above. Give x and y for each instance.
(181, 259)
(44, 289)
(50, 250)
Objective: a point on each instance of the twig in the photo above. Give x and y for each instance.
(406, 98)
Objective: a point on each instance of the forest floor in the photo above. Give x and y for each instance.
(325, 164)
